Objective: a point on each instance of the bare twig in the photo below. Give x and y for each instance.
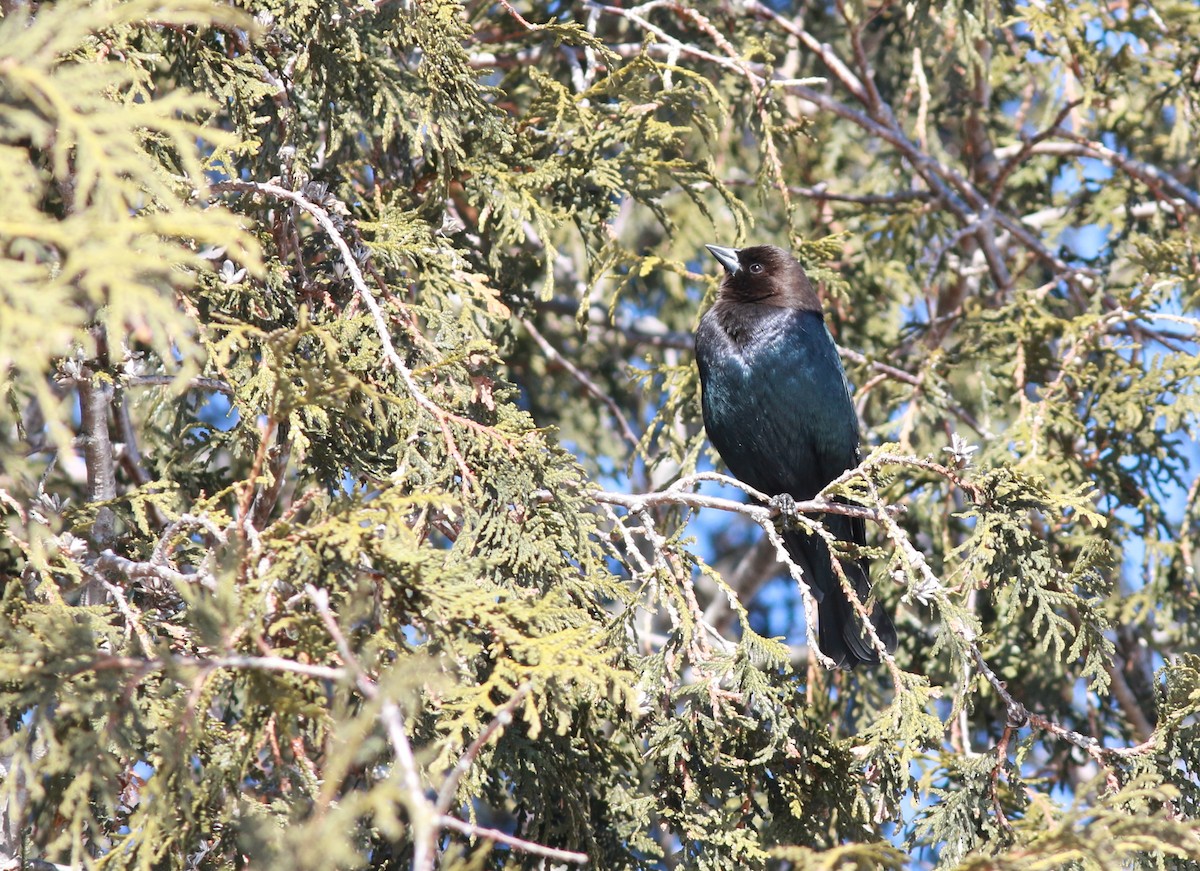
(763, 515)
(216, 385)
(509, 841)
(840, 71)
(587, 383)
(111, 562)
(503, 717)
(517, 15)
(207, 664)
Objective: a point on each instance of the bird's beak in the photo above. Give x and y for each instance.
(727, 256)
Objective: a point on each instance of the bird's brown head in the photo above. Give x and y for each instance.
(767, 275)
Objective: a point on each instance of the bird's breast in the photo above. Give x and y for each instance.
(775, 400)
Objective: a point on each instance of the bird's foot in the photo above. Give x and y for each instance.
(785, 505)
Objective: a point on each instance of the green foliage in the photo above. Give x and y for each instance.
(334, 339)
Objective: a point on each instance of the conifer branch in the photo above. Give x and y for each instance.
(206, 664)
(1019, 715)
(821, 192)
(619, 137)
(764, 516)
(1163, 185)
(948, 185)
(420, 809)
(324, 219)
(427, 817)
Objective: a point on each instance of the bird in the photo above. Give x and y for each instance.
(777, 407)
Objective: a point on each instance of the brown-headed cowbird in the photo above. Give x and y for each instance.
(777, 408)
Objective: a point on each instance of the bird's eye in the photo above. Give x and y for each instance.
(756, 268)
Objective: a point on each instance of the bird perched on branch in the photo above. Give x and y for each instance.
(777, 408)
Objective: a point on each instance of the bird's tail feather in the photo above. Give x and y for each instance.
(840, 631)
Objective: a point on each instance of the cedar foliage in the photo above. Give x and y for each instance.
(335, 338)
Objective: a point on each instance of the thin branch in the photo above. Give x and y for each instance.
(642, 331)
(1123, 693)
(732, 60)
(1019, 715)
(517, 15)
(249, 663)
(1163, 184)
(503, 717)
(510, 841)
(215, 385)
(587, 383)
(764, 516)
(821, 192)
(267, 663)
(131, 453)
(426, 818)
(260, 455)
(132, 617)
(822, 50)
(761, 514)
(811, 617)
(111, 562)
(865, 74)
(1028, 144)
